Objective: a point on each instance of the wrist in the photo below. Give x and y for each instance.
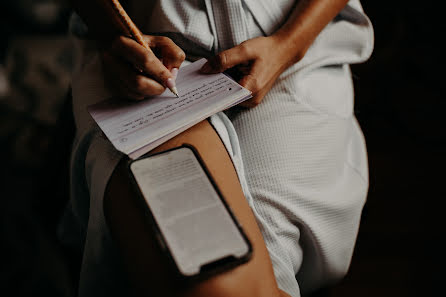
(290, 48)
(307, 20)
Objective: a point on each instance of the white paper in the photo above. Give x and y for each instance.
(134, 128)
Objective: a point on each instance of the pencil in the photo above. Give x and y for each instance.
(127, 22)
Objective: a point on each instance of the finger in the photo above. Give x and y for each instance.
(126, 93)
(116, 84)
(251, 83)
(123, 91)
(141, 58)
(135, 82)
(120, 89)
(258, 97)
(254, 80)
(174, 72)
(227, 59)
(257, 84)
(171, 54)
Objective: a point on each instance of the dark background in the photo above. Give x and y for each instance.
(400, 102)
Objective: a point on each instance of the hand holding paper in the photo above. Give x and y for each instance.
(258, 62)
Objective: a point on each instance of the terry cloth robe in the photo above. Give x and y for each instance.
(300, 155)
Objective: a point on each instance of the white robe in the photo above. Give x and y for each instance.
(300, 155)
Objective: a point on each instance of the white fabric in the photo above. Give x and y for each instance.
(300, 154)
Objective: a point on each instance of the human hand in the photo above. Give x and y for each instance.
(258, 62)
(134, 72)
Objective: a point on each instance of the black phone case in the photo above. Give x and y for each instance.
(206, 270)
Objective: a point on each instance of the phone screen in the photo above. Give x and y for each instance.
(196, 225)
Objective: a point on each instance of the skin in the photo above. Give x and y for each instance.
(136, 73)
(261, 60)
(146, 266)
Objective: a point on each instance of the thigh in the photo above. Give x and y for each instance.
(296, 154)
(298, 131)
(140, 253)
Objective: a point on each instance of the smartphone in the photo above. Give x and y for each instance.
(193, 223)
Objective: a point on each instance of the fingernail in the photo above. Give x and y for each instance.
(206, 68)
(170, 83)
(174, 72)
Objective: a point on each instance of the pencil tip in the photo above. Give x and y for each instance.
(174, 91)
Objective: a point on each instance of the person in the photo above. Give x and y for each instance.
(296, 146)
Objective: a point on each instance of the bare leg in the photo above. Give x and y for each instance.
(140, 253)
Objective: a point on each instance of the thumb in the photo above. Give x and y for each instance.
(226, 59)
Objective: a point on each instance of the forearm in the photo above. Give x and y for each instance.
(307, 20)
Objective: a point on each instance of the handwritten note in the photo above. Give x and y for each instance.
(137, 127)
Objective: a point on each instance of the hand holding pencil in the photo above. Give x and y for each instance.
(138, 65)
